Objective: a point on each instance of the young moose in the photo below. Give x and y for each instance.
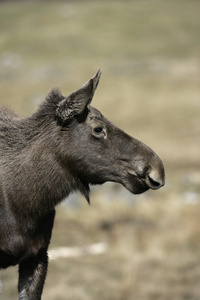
(63, 147)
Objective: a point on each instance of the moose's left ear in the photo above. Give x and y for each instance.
(76, 103)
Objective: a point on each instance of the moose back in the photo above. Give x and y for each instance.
(63, 147)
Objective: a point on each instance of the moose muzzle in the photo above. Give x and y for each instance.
(150, 171)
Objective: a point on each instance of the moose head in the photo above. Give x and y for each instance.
(96, 151)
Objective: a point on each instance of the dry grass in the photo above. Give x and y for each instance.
(149, 52)
(153, 251)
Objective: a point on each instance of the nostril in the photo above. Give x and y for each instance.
(154, 183)
(153, 174)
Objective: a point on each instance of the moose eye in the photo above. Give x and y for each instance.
(98, 130)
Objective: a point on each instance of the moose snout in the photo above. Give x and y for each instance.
(151, 172)
(154, 179)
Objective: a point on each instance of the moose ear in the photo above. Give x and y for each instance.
(76, 103)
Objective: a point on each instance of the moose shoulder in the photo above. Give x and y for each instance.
(63, 147)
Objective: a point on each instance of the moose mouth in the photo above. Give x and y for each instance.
(135, 184)
(138, 184)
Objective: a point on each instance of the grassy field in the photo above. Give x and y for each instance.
(150, 55)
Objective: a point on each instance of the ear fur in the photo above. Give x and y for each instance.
(77, 102)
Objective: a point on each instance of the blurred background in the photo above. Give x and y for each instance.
(149, 51)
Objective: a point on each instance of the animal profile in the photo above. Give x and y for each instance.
(65, 146)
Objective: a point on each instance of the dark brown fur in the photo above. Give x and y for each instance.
(63, 147)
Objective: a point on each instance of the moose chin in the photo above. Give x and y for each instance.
(63, 147)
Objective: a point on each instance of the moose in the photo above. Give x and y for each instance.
(63, 147)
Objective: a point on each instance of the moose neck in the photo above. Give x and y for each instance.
(39, 169)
